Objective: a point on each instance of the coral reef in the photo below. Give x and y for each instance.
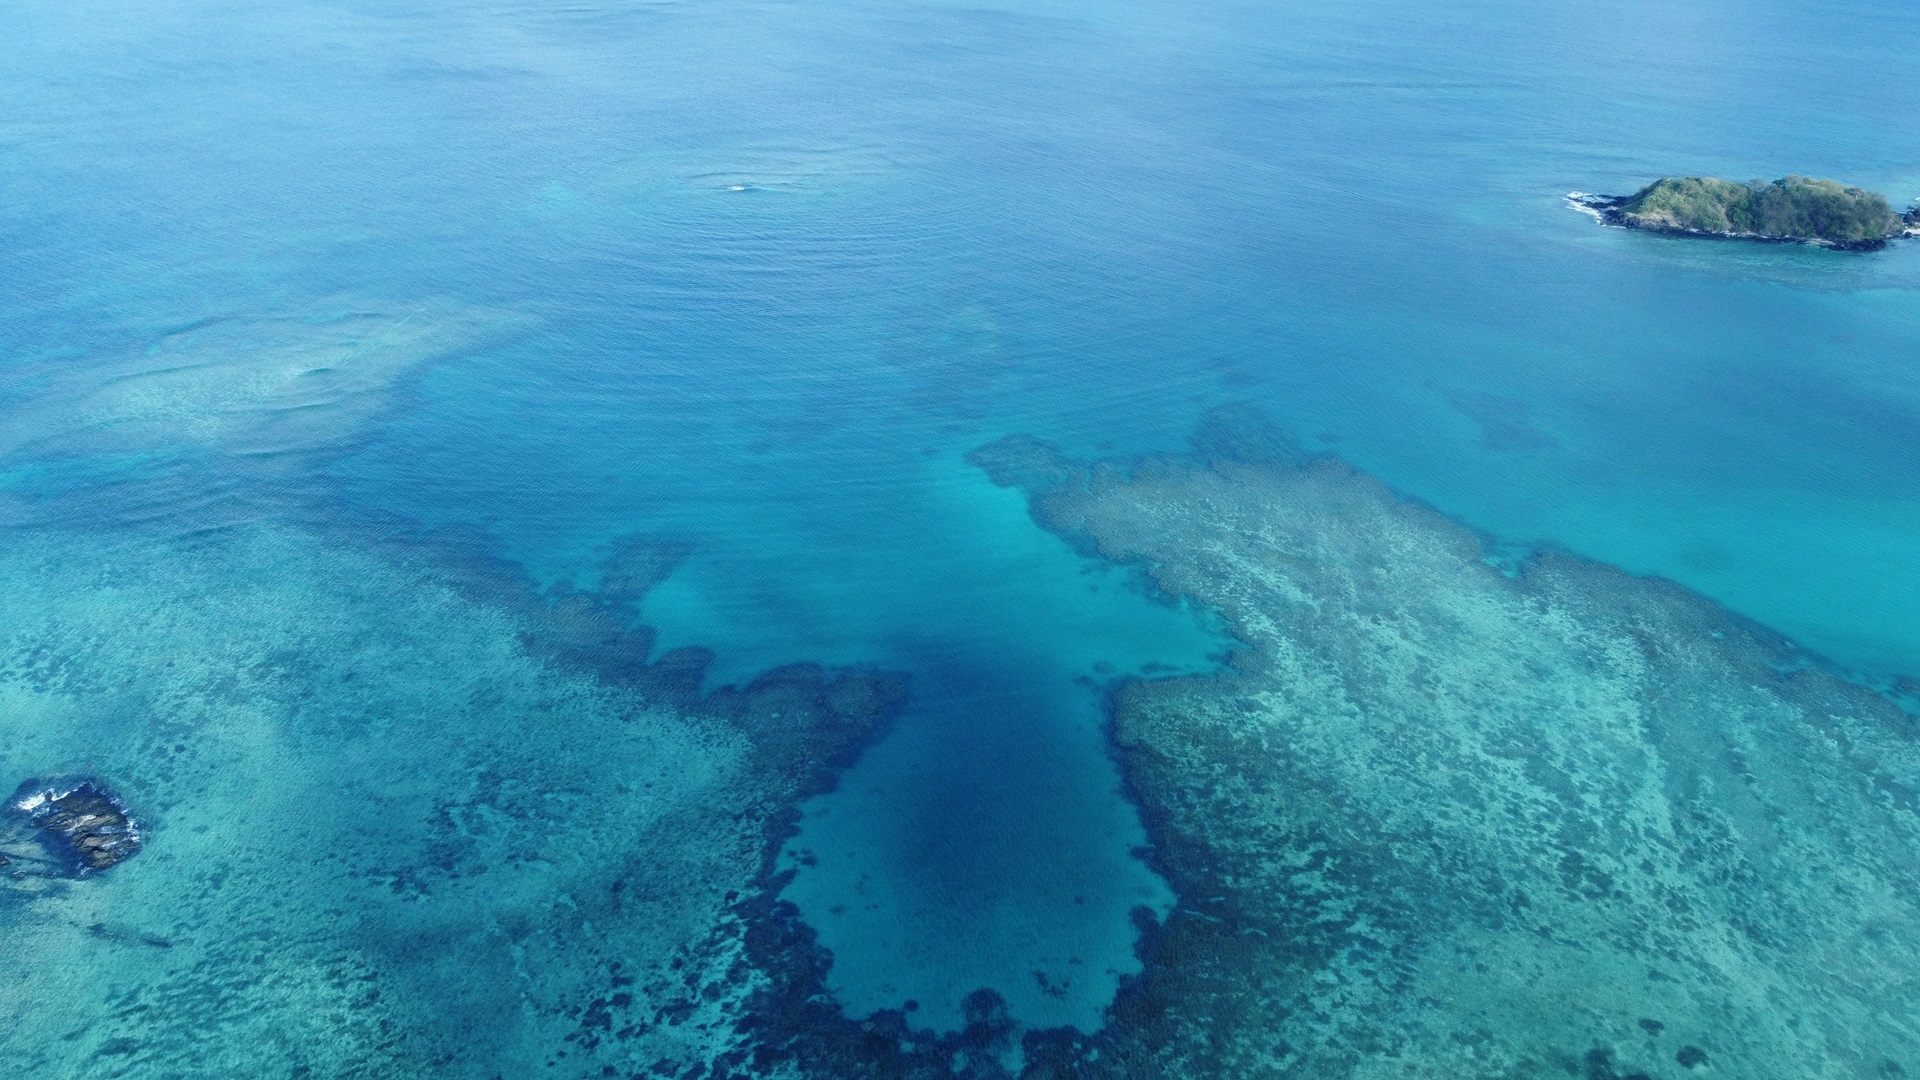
(406, 817)
(1441, 820)
(409, 815)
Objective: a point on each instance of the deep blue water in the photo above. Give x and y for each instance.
(749, 279)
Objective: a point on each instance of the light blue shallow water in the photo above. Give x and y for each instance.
(748, 279)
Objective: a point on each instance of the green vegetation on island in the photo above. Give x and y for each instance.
(1795, 208)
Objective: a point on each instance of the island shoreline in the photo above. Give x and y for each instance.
(1607, 210)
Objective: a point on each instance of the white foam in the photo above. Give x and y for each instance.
(1585, 202)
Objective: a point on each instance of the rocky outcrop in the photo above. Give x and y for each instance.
(80, 823)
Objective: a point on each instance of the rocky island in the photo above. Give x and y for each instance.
(1796, 209)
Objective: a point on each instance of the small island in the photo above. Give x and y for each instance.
(1796, 209)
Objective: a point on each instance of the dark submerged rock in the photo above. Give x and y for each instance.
(82, 825)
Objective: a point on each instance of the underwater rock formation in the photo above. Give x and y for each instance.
(1439, 820)
(80, 823)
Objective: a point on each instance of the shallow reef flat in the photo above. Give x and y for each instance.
(1442, 819)
(400, 820)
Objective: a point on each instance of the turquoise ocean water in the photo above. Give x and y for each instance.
(742, 283)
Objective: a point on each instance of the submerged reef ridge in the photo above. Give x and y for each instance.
(248, 388)
(1794, 208)
(1441, 820)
